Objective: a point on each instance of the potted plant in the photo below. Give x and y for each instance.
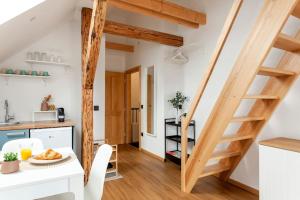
(177, 103)
(10, 163)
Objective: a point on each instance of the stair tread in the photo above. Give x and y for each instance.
(287, 43)
(235, 137)
(246, 119)
(214, 169)
(221, 154)
(267, 71)
(261, 96)
(296, 11)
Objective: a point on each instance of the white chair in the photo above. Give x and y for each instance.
(94, 188)
(36, 145)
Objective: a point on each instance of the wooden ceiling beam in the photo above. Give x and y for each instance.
(142, 33)
(163, 9)
(119, 47)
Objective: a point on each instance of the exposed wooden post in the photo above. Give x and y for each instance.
(91, 30)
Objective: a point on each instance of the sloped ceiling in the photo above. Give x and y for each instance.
(29, 26)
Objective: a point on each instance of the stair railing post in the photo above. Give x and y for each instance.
(184, 147)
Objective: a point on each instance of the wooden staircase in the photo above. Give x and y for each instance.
(265, 35)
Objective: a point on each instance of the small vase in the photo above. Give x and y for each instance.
(176, 119)
(44, 106)
(10, 167)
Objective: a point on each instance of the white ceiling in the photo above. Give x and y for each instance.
(29, 26)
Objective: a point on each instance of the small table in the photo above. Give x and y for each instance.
(38, 183)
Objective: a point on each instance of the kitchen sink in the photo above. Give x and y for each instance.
(9, 123)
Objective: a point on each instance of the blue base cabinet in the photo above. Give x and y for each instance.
(6, 136)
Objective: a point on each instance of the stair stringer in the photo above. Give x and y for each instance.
(267, 27)
(277, 86)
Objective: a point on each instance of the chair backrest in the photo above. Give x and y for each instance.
(36, 145)
(94, 187)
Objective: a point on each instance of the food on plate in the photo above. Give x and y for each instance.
(49, 154)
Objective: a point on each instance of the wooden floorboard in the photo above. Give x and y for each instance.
(146, 178)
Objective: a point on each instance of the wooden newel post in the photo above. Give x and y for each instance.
(184, 147)
(92, 25)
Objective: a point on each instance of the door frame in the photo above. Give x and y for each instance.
(128, 99)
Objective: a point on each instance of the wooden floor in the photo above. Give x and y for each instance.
(150, 179)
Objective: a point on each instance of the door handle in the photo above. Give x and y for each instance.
(15, 134)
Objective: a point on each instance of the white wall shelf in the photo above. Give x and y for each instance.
(44, 115)
(24, 76)
(47, 63)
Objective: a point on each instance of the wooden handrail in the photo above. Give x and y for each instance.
(203, 84)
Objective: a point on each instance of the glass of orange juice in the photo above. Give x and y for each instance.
(26, 153)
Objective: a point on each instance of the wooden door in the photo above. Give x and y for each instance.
(114, 107)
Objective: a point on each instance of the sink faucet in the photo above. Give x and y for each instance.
(7, 116)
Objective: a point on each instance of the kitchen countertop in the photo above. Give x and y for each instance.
(283, 143)
(38, 124)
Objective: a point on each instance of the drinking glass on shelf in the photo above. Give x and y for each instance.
(59, 59)
(29, 56)
(52, 58)
(43, 56)
(36, 55)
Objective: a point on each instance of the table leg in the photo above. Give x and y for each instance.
(76, 186)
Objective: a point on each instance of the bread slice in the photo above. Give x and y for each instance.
(49, 154)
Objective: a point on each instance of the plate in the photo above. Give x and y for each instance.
(46, 162)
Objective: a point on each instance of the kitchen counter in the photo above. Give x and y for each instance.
(38, 125)
(283, 143)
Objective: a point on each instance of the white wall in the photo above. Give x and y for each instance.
(187, 77)
(247, 171)
(99, 95)
(150, 54)
(115, 61)
(25, 94)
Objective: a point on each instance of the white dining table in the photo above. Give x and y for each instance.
(37, 183)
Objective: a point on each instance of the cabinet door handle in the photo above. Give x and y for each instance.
(15, 134)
